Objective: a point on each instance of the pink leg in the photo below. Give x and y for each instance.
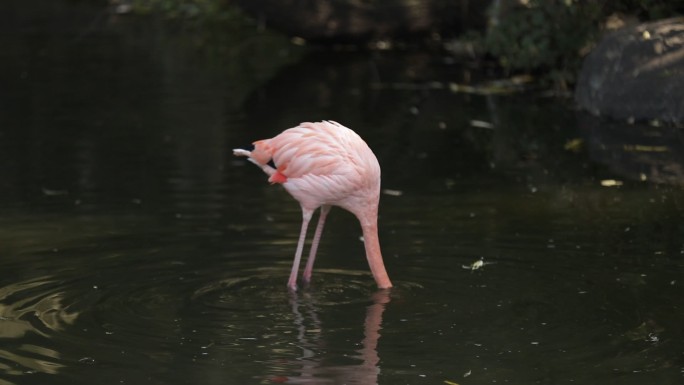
(325, 209)
(306, 217)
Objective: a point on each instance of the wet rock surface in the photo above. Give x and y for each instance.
(636, 73)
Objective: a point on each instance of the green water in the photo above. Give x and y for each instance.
(135, 249)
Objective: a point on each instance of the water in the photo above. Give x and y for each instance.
(135, 249)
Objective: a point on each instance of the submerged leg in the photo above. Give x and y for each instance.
(306, 217)
(325, 209)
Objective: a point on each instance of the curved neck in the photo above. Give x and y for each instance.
(373, 254)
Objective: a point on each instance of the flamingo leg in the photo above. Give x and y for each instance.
(306, 217)
(325, 209)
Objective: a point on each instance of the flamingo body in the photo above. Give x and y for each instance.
(325, 164)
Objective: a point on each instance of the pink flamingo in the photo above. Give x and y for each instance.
(325, 164)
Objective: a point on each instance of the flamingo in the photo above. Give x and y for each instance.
(325, 164)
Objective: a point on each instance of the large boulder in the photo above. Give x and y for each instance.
(636, 73)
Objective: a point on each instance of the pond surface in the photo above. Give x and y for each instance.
(135, 249)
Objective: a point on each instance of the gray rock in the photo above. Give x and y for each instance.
(636, 73)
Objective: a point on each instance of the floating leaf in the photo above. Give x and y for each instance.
(573, 145)
(481, 124)
(394, 193)
(645, 148)
(611, 183)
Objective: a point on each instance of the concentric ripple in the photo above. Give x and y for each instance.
(152, 308)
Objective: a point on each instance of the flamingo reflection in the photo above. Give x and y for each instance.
(311, 368)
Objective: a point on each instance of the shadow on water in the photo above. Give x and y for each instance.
(135, 249)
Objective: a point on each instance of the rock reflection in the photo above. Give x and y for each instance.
(312, 369)
(636, 152)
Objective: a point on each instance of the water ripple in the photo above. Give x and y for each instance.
(30, 312)
(39, 306)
